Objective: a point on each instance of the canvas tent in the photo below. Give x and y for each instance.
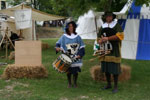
(10, 23)
(136, 25)
(90, 22)
(37, 15)
(88, 25)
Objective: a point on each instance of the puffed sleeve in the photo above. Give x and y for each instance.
(120, 33)
(81, 51)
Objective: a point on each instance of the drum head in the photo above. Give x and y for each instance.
(66, 58)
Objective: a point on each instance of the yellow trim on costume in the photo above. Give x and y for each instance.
(120, 35)
(111, 59)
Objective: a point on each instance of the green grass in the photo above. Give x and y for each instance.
(55, 86)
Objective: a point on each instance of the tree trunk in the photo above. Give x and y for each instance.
(35, 4)
(108, 5)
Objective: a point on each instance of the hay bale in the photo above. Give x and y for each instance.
(125, 73)
(45, 46)
(97, 74)
(12, 55)
(14, 71)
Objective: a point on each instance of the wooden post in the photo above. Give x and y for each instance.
(6, 36)
(6, 43)
(21, 31)
(33, 31)
(96, 25)
(107, 5)
(9, 39)
(0, 5)
(2, 39)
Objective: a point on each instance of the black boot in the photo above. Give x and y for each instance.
(69, 80)
(75, 77)
(108, 78)
(115, 90)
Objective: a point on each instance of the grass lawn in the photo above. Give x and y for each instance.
(55, 86)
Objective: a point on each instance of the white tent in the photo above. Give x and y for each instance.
(29, 33)
(90, 22)
(88, 25)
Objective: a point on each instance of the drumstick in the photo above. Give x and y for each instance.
(97, 57)
(97, 54)
(94, 58)
(100, 50)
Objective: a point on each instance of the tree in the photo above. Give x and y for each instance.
(15, 2)
(141, 2)
(76, 8)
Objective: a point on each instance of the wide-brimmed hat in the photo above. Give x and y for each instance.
(108, 13)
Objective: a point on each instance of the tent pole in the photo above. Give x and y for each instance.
(96, 25)
(33, 30)
(2, 39)
(21, 31)
(6, 43)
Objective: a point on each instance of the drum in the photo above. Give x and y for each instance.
(62, 63)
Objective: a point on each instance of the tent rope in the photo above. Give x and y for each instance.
(137, 41)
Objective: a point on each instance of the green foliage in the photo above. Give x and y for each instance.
(75, 8)
(79, 7)
(15, 2)
(59, 7)
(140, 2)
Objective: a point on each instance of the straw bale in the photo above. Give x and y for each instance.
(45, 46)
(12, 55)
(125, 73)
(14, 71)
(98, 75)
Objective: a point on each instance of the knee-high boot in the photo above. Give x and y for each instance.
(108, 78)
(115, 83)
(75, 77)
(69, 80)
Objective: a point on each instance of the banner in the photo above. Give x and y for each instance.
(23, 18)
